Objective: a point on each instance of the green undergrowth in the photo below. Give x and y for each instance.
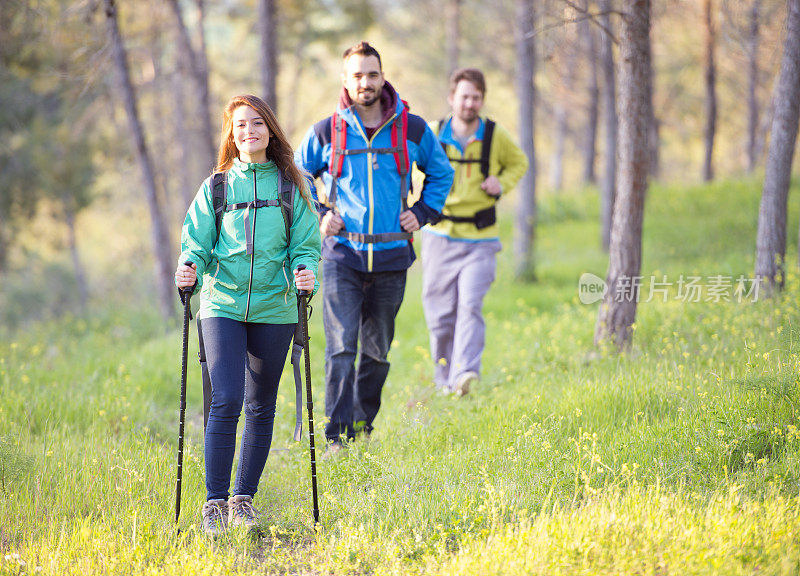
(677, 457)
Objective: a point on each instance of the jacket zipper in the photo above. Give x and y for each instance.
(253, 255)
(369, 183)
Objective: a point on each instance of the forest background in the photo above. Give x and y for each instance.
(74, 203)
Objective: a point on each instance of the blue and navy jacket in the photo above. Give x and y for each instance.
(368, 194)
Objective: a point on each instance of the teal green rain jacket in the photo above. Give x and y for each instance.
(257, 287)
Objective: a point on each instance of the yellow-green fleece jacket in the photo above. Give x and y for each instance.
(506, 161)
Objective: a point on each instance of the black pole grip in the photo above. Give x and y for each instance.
(302, 267)
(189, 290)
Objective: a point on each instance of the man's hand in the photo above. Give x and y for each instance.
(408, 221)
(492, 186)
(331, 224)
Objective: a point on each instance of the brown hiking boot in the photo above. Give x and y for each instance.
(241, 512)
(465, 382)
(215, 517)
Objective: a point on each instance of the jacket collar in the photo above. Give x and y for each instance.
(446, 133)
(390, 104)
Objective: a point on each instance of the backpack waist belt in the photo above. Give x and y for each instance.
(482, 218)
(375, 238)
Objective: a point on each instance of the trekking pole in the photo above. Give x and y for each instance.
(186, 294)
(303, 311)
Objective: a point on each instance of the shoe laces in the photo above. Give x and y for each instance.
(216, 515)
(244, 509)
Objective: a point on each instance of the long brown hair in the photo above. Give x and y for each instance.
(278, 150)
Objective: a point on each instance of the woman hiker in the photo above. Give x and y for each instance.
(248, 306)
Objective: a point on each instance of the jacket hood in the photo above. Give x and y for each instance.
(390, 101)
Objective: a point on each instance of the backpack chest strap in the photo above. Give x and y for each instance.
(248, 227)
(392, 150)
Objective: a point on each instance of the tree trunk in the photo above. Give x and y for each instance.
(160, 237)
(4, 243)
(752, 84)
(72, 244)
(184, 149)
(618, 311)
(559, 138)
(198, 65)
(654, 128)
(269, 52)
(561, 106)
(453, 34)
(609, 183)
(590, 143)
(771, 240)
(525, 224)
(711, 91)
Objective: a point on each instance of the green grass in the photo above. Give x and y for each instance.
(679, 457)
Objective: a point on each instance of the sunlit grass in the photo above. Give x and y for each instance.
(680, 456)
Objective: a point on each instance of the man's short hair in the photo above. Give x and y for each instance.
(471, 75)
(364, 49)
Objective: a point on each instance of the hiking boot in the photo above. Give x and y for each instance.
(332, 449)
(241, 512)
(464, 382)
(215, 517)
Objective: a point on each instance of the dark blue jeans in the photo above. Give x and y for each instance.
(357, 307)
(245, 361)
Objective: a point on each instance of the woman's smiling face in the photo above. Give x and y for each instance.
(250, 134)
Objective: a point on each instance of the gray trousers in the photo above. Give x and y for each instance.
(456, 276)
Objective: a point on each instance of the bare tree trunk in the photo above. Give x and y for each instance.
(771, 240)
(752, 84)
(269, 52)
(160, 236)
(609, 183)
(184, 148)
(453, 34)
(561, 106)
(590, 143)
(72, 244)
(4, 244)
(654, 129)
(711, 90)
(559, 138)
(198, 65)
(525, 224)
(618, 311)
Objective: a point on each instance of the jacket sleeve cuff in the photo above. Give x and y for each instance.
(424, 213)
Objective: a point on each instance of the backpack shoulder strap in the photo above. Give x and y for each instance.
(338, 144)
(400, 144)
(287, 204)
(486, 146)
(219, 197)
(439, 127)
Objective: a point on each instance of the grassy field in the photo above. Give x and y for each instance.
(679, 457)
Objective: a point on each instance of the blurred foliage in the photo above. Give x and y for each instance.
(64, 140)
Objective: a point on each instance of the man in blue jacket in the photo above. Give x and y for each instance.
(364, 153)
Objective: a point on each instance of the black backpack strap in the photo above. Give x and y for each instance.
(486, 147)
(287, 204)
(219, 197)
(439, 133)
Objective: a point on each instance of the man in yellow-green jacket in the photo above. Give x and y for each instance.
(459, 252)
